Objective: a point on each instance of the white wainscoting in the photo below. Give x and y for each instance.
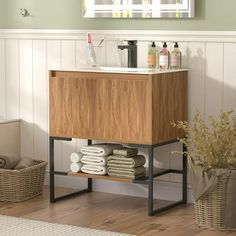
(27, 55)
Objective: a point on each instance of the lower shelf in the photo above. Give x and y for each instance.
(104, 177)
(143, 180)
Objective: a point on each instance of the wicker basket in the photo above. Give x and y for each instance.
(21, 185)
(210, 210)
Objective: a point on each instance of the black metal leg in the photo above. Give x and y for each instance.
(150, 181)
(90, 182)
(51, 168)
(53, 173)
(151, 176)
(185, 174)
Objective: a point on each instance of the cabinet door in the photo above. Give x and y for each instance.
(115, 107)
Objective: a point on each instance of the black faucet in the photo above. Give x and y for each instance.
(132, 52)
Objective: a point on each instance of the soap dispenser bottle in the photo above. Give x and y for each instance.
(152, 56)
(175, 57)
(164, 57)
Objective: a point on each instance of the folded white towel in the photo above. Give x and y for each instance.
(100, 149)
(75, 157)
(94, 160)
(94, 170)
(76, 167)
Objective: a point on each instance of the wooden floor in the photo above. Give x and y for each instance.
(110, 212)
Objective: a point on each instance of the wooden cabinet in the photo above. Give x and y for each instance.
(122, 107)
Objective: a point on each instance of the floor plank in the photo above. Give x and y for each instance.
(110, 212)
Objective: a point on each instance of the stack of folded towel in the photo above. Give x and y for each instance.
(76, 164)
(95, 156)
(126, 163)
(12, 161)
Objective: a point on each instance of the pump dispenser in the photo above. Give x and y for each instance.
(164, 57)
(175, 61)
(152, 56)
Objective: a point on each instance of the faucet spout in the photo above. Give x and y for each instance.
(132, 52)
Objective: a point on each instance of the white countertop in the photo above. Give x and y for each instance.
(123, 70)
(6, 121)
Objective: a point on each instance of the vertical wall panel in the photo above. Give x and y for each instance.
(100, 51)
(229, 91)
(12, 79)
(54, 62)
(196, 89)
(115, 56)
(162, 160)
(176, 159)
(68, 62)
(214, 78)
(2, 79)
(26, 97)
(81, 54)
(40, 100)
(68, 54)
(143, 54)
(183, 47)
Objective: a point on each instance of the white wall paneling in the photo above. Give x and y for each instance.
(115, 57)
(81, 54)
(12, 79)
(197, 77)
(214, 78)
(54, 61)
(2, 79)
(26, 97)
(229, 83)
(27, 55)
(142, 53)
(40, 100)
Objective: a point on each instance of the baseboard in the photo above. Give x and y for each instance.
(162, 190)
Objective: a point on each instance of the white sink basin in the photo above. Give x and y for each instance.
(123, 69)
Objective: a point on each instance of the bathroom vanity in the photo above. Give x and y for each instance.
(131, 106)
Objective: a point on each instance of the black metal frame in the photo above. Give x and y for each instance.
(145, 180)
(53, 173)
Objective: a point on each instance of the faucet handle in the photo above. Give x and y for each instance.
(131, 42)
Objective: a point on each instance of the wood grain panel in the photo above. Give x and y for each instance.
(118, 107)
(56, 97)
(169, 103)
(100, 106)
(130, 117)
